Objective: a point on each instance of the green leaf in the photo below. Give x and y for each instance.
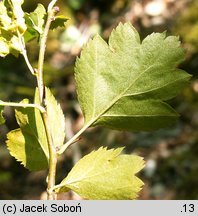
(19, 15)
(105, 175)
(15, 47)
(4, 47)
(56, 119)
(9, 44)
(122, 84)
(16, 14)
(29, 143)
(5, 20)
(24, 146)
(2, 120)
(11, 23)
(35, 22)
(59, 21)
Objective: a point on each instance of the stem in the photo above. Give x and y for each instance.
(41, 88)
(42, 110)
(24, 53)
(42, 97)
(51, 5)
(41, 61)
(52, 159)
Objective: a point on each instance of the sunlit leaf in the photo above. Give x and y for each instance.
(29, 143)
(32, 120)
(15, 47)
(12, 15)
(56, 119)
(5, 20)
(9, 44)
(105, 174)
(19, 14)
(123, 84)
(59, 21)
(12, 23)
(4, 47)
(35, 22)
(24, 146)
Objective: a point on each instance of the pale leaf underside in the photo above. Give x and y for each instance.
(122, 84)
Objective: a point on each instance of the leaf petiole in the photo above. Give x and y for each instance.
(56, 187)
(12, 104)
(75, 137)
(24, 53)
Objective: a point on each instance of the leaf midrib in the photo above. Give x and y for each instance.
(82, 178)
(122, 94)
(89, 123)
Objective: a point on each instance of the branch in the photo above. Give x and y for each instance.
(51, 5)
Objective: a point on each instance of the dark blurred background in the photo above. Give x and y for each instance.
(171, 154)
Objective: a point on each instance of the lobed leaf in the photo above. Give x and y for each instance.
(12, 23)
(29, 143)
(35, 22)
(18, 14)
(4, 18)
(123, 84)
(105, 175)
(59, 21)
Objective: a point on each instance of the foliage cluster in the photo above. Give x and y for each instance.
(122, 84)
